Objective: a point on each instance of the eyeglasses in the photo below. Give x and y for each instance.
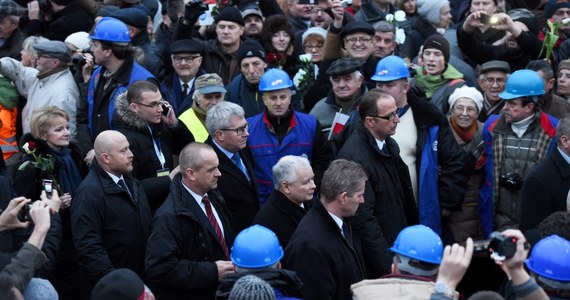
(499, 81)
(188, 59)
(362, 40)
(317, 10)
(154, 104)
(460, 109)
(238, 131)
(316, 47)
(390, 117)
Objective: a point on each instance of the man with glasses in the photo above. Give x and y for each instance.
(209, 91)
(389, 204)
(492, 82)
(155, 135)
(178, 87)
(437, 167)
(227, 127)
(49, 83)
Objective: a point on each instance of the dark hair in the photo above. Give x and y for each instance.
(543, 66)
(557, 223)
(121, 52)
(134, 93)
(272, 25)
(341, 176)
(368, 106)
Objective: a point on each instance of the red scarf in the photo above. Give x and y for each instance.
(465, 135)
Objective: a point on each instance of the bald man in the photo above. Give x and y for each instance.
(110, 214)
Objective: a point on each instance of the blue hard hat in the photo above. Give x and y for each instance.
(523, 83)
(256, 247)
(111, 30)
(391, 68)
(419, 242)
(274, 79)
(550, 258)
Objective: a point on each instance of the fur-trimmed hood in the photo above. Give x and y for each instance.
(125, 117)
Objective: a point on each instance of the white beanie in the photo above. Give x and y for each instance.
(79, 40)
(430, 9)
(314, 30)
(469, 93)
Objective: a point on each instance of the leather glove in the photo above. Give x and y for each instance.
(192, 11)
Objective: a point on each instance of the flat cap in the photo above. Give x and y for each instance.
(356, 26)
(251, 11)
(495, 65)
(56, 49)
(345, 65)
(209, 83)
(230, 14)
(10, 8)
(133, 16)
(186, 46)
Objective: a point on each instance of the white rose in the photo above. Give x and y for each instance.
(566, 21)
(400, 16)
(298, 77)
(306, 57)
(389, 18)
(400, 36)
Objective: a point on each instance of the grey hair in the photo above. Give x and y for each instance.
(191, 156)
(342, 176)
(563, 128)
(285, 169)
(383, 26)
(219, 116)
(28, 45)
(197, 92)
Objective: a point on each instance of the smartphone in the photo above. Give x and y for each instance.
(489, 20)
(48, 187)
(165, 110)
(346, 3)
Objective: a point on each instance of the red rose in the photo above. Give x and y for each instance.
(32, 145)
(279, 56)
(271, 57)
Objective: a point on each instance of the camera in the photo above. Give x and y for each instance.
(512, 181)
(504, 245)
(489, 20)
(78, 59)
(24, 213)
(198, 4)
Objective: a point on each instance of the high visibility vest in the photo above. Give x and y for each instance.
(8, 141)
(194, 124)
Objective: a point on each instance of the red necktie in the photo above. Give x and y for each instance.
(215, 225)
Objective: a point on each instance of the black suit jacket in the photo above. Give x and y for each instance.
(544, 190)
(281, 215)
(241, 195)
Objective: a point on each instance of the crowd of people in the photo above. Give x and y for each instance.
(285, 149)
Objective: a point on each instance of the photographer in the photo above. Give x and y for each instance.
(57, 19)
(16, 275)
(515, 141)
(456, 260)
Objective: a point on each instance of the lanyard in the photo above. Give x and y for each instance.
(157, 150)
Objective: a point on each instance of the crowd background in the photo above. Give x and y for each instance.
(291, 146)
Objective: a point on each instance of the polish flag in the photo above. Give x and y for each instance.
(339, 121)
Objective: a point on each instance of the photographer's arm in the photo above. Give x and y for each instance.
(523, 285)
(29, 258)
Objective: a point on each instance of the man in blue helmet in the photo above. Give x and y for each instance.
(256, 251)
(549, 263)
(116, 71)
(280, 131)
(417, 255)
(436, 164)
(515, 142)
